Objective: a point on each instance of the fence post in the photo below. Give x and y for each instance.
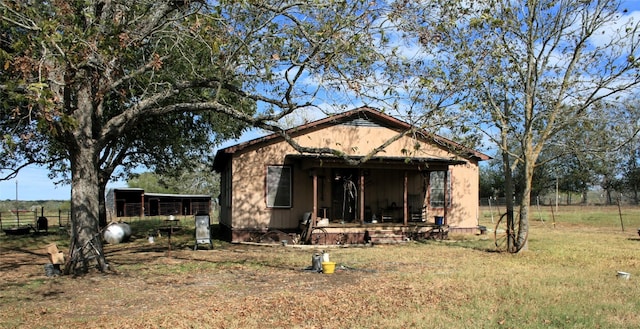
(490, 210)
(620, 213)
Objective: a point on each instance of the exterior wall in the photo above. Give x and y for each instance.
(384, 191)
(362, 140)
(248, 169)
(249, 189)
(464, 189)
(226, 195)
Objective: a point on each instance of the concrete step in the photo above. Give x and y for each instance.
(387, 237)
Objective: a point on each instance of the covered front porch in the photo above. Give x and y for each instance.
(385, 200)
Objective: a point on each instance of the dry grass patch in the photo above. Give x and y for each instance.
(565, 279)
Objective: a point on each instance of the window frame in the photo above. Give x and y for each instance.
(446, 191)
(275, 185)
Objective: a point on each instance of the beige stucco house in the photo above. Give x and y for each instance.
(418, 183)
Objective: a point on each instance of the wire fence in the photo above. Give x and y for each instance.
(43, 220)
(38, 220)
(592, 199)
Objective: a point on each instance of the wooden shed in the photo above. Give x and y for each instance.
(134, 202)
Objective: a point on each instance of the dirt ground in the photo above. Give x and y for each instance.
(229, 286)
(568, 275)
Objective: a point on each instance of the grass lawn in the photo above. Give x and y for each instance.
(566, 279)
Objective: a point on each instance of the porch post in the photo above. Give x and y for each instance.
(361, 196)
(141, 205)
(405, 205)
(314, 213)
(446, 195)
(427, 196)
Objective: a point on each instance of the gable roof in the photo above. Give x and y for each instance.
(362, 116)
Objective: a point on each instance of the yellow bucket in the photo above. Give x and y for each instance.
(328, 267)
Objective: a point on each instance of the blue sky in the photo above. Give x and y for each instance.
(32, 182)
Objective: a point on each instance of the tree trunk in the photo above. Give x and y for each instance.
(508, 191)
(86, 243)
(525, 205)
(102, 210)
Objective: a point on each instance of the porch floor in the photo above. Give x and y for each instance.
(337, 233)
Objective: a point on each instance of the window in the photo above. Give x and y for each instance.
(436, 189)
(278, 187)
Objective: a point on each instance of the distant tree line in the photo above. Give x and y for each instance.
(35, 205)
(614, 172)
(199, 180)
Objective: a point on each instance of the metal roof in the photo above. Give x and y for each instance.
(167, 195)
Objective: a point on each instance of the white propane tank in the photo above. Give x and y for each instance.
(117, 233)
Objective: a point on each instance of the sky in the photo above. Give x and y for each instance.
(32, 182)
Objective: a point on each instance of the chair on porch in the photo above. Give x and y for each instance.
(419, 215)
(390, 213)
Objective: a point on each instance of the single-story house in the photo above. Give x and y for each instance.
(417, 183)
(134, 202)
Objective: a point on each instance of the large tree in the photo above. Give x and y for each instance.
(77, 77)
(628, 182)
(533, 68)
